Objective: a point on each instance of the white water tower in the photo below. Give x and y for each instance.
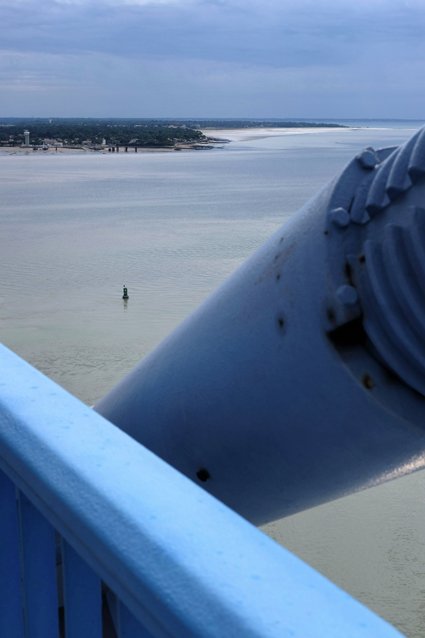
(27, 138)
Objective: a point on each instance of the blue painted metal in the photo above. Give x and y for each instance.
(127, 625)
(40, 601)
(302, 378)
(11, 609)
(82, 596)
(181, 561)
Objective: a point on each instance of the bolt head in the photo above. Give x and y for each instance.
(339, 217)
(347, 295)
(368, 158)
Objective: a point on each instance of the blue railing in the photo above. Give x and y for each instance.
(88, 515)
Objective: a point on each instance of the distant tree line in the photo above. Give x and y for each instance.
(254, 123)
(76, 132)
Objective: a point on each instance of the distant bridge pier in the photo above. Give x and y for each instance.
(116, 149)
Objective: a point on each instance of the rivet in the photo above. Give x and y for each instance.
(368, 158)
(347, 295)
(339, 217)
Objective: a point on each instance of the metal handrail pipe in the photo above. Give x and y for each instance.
(180, 560)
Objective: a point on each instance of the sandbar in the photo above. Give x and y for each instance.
(247, 134)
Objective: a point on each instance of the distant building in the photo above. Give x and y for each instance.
(26, 138)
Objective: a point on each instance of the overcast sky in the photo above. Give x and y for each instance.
(213, 58)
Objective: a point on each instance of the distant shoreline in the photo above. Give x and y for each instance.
(60, 150)
(77, 150)
(116, 135)
(215, 138)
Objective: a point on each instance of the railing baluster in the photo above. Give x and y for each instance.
(11, 613)
(82, 596)
(39, 573)
(128, 626)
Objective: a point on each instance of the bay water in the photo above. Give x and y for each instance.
(75, 228)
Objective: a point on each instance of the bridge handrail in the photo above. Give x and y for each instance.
(182, 562)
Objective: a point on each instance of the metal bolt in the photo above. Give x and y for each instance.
(339, 217)
(347, 295)
(368, 158)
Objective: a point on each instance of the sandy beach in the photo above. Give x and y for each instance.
(246, 134)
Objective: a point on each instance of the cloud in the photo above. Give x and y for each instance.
(268, 31)
(217, 54)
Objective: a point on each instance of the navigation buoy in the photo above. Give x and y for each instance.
(124, 293)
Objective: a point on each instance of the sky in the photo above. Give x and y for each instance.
(212, 58)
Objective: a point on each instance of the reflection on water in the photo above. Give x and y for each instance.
(372, 544)
(172, 227)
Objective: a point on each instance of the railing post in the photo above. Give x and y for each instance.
(38, 572)
(82, 596)
(11, 611)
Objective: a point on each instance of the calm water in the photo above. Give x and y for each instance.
(171, 226)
